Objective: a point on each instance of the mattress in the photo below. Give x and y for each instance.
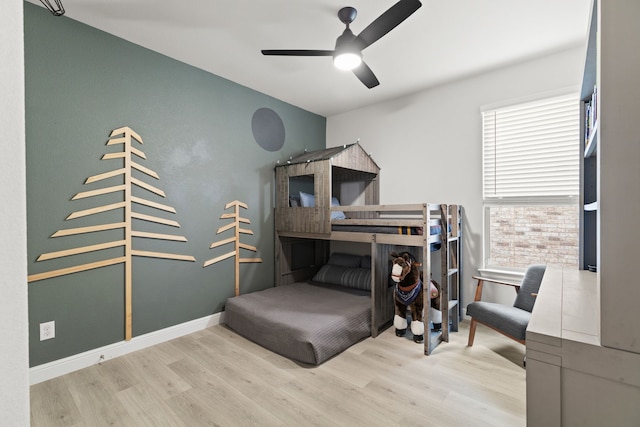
(308, 322)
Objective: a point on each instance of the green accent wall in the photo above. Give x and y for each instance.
(82, 83)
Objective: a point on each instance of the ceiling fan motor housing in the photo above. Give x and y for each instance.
(345, 43)
(347, 15)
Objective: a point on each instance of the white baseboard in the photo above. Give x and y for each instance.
(69, 364)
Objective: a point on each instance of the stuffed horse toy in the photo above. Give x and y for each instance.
(409, 292)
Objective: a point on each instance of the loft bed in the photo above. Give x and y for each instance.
(444, 225)
(308, 217)
(333, 195)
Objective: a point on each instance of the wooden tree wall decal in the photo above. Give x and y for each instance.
(238, 230)
(125, 136)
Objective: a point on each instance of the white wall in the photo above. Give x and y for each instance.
(429, 144)
(14, 355)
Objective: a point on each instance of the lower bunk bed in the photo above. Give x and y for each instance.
(322, 304)
(310, 321)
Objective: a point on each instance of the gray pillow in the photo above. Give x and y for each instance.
(294, 201)
(365, 261)
(355, 278)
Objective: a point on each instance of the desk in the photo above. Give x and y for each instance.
(571, 378)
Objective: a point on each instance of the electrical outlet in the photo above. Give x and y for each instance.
(47, 330)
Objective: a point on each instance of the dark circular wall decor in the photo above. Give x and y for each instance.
(268, 129)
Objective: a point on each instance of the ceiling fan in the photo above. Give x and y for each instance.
(347, 54)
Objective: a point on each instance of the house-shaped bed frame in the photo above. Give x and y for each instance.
(304, 230)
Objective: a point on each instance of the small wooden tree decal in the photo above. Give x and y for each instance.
(124, 136)
(238, 230)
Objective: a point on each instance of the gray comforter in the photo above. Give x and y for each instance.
(304, 321)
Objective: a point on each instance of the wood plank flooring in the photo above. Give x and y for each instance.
(217, 378)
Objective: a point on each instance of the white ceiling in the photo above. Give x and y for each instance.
(443, 41)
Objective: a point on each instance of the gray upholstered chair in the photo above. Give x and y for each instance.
(511, 321)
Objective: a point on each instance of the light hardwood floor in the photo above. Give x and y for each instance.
(215, 377)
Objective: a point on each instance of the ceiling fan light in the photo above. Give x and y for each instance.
(347, 60)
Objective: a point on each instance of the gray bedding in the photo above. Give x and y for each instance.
(306, 322)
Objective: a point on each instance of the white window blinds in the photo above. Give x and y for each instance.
(531, 150)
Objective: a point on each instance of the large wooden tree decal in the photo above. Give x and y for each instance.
(125, 136)
(238, 230)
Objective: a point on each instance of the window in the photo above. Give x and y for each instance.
(531, 172)
(301, 191)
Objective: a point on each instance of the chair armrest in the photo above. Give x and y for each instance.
(501, 282)
(481, 281)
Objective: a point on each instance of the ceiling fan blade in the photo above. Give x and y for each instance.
(293, 52)
(387, 21)
(366, 76)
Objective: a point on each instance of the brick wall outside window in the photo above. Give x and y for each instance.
(524, 235)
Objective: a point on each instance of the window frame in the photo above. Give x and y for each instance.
(537, 200)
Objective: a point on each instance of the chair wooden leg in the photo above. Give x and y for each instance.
(472, 331)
